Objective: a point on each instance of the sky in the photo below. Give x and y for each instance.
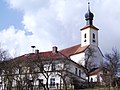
(48, 23)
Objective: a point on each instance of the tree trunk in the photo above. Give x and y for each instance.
(65, 85)
(88, 81)
(47, 88)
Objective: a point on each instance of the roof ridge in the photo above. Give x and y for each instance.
(70, 47)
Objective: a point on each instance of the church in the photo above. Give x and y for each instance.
(56, 69)
(89, 39)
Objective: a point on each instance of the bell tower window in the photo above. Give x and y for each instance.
(93, 37)
(85, 37)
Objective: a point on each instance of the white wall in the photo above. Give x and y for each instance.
(89, 37)
(96, 37)
(96, 77)
(57, 78)
(73, 67)
(87, 32)
(78, 58)
(97, 59)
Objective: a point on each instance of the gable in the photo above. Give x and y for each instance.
(73, 50)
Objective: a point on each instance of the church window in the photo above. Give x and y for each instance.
(85, 35)
(93, 36)
(93, 40)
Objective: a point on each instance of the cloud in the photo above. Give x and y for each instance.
(19, 43)
(108, 22)
(28, 5)
(58, 22)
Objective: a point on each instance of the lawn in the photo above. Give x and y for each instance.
(95, 89)
(98, 89)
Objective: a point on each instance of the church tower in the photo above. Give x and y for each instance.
(89, 33)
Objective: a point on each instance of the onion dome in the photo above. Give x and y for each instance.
(89, 16)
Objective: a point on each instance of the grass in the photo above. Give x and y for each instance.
(98, 89)
(95, 89)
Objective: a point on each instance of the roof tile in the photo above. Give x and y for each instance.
(73, 50)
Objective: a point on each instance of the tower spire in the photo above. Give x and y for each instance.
(89, 33)
(88, 6)
(89, 16)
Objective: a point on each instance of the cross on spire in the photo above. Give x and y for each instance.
(88, 6)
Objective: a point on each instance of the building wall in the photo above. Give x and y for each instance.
(95, 32)
(78, 58)
(98, 56)
(87, 32)
(97, 59)
(80, 72)
(88, 38)
(97, 77)
(56, 80)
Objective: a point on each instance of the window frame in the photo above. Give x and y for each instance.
(52, 82)
(76, 70)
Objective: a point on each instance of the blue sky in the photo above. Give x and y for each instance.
(9, 16)
(46, 23)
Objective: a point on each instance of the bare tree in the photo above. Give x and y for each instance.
(6, 75)
(63, 69)
(112, 64)
(4, 55)
(56, 64)
(17, 69)
(4, 63)
(44, 65)
(89, 63)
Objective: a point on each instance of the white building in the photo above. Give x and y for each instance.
(67, 63)
(89, 39)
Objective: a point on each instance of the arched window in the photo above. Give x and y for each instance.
(93, 36)
(85, 35)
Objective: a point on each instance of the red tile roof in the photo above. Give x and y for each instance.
(62, 54)
(73, 50)
(96, 71)
(42, 55)
(91, 26)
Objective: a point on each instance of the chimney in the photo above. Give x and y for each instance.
(54, 49)
(37, 51)
(33, 47)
